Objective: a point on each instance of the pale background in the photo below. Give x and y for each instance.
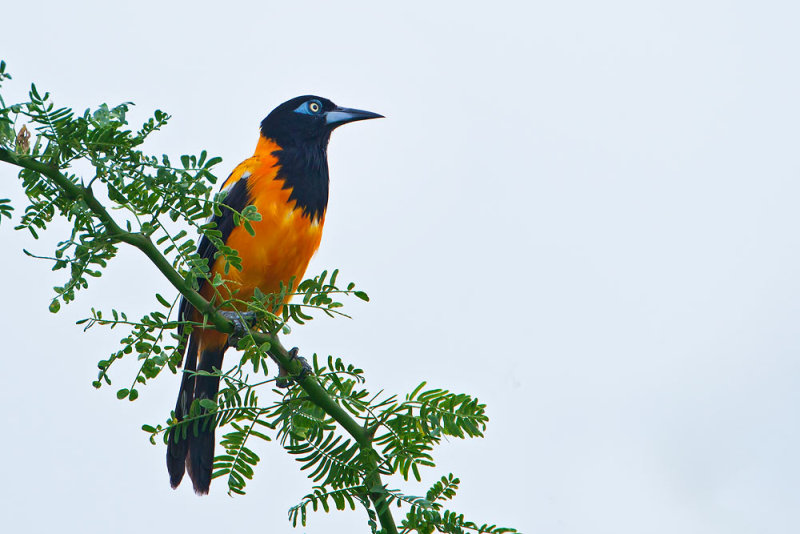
(584, 213)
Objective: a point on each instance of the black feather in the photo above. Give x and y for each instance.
(238, 198)
(305, 171)
(177, 444)
(200, 461)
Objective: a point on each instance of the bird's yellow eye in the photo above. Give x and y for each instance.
(314, 107)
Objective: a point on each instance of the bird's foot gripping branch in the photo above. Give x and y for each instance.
(354, 445)
(242, 322)
(285, 379)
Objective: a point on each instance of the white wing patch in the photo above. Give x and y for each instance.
(245, 176)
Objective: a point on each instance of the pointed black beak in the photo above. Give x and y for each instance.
(340, 116)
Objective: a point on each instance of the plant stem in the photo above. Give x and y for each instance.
(309, 383)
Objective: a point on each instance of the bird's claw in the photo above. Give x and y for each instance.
(242, 322)
(284, 380)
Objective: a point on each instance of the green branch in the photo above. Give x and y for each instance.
(316, 393)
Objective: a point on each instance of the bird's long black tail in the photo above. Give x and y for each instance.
(191, 446)
(177, 442)
(200, 460)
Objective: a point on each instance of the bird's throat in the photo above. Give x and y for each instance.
(304, 171)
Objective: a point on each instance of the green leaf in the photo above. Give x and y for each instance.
(249, 228)
(208, 404)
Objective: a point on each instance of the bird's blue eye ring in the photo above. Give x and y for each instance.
(310, 107)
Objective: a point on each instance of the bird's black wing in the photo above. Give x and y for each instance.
(237, 199)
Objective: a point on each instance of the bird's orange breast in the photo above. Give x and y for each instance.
(285, 239)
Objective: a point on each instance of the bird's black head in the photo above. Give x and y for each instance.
(301, 127)
(308, 120)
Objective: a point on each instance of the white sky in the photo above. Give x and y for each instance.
(584, 213)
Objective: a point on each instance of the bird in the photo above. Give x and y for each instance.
(287, 180)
